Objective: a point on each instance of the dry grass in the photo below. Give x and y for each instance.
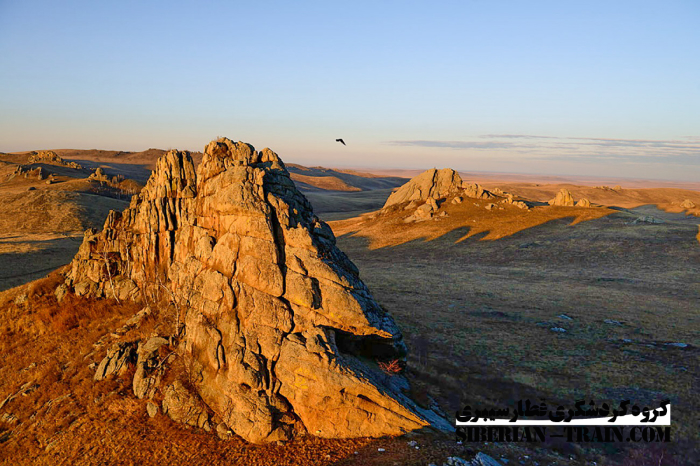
(477, 316)
(330, 183)
(388, 228)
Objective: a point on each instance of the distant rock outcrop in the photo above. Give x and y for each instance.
(583, 202)
(688, 204)
(51, 157)
(281, 334)
(563, 198)
(432, 183)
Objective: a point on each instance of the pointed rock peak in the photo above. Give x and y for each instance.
(280, 334)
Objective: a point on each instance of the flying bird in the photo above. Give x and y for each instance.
(341, 141)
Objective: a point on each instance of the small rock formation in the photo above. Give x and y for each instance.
(583, 202)
(280, 334)
(563, 198)
(433, 183)
(99, 175)
(688, 204)
(50, 156)
(475, 191)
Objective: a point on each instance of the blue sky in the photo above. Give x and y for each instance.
(552, 87)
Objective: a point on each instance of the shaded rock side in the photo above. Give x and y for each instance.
(432, 183)
(280, 334)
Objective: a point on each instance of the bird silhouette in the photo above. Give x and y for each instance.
(341, 141)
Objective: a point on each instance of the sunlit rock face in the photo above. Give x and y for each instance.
(281, 334)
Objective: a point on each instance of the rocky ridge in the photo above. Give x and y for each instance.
(280, 335)
(424, 194)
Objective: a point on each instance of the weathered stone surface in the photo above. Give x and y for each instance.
(475, 191)
(148, 374)
(151, 409)
(276, 321)
(116, 361)
(688, 204)
(432, 183)
(182, 406)
(563, 198)
(583, 202)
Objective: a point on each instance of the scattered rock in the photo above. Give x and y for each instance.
(612, 322)
(457, 461)
(688, 204)
(565, 317)
(473, 190)
(151, 409)
(117, 360)
(457, 200)
(61, 291)
(646, 219)
(558, 329)
(21, 298)
(482, 459)
(8, 418)
(490, 206)
(678, 345)
(223, 431)
(583, 202)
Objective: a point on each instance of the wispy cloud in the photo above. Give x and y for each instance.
(460, 144)
(684, 151)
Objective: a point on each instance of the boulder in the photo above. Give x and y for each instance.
(280, 335)
(688, 204)
(117, 360)
(184, 407)
(475, 191)
(583, 202)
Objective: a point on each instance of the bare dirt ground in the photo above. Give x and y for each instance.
(477, 315)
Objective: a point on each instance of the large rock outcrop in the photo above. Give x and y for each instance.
(280, 334)
(432, 183)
